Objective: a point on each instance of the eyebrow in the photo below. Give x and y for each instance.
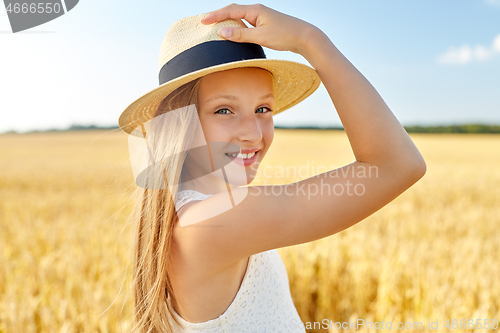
(232, 97)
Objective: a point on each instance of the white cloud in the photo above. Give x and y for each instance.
(461, 55)
(465, 53)
(496, 44)
(493, 2)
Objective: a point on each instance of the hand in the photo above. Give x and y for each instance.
(272, 29)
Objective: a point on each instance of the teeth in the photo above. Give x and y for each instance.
(245, 156)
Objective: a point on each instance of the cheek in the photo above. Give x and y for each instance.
(267, 129)
(215, 131)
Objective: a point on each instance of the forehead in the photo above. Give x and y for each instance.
(248, 79)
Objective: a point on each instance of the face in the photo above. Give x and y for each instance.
(235, 107)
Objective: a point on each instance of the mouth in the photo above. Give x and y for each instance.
(243, 159)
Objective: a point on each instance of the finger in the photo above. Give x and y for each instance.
(233, 11)
(241, 35)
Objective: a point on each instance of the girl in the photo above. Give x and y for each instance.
(206, 258)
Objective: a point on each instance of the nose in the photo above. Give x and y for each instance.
(249, 129)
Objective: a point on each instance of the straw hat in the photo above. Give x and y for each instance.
(191, 50)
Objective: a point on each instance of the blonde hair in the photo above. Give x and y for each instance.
(157, 215)
(151, 283)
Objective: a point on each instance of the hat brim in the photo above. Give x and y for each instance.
(293, 83)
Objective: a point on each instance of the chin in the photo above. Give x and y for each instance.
(250, 178)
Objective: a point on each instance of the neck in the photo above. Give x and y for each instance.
(208, 184)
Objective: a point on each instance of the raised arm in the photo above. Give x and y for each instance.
(261, 221)
(375, 135)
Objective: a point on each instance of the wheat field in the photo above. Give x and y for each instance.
(432, 254)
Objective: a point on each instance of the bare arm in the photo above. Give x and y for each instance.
(375, 135)
(379, 142)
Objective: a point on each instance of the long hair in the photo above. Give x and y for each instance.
(151, 283)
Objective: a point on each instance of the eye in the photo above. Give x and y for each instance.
(218, 111)
(262, 108)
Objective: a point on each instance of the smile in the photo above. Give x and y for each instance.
(243, 159)
(243, 156)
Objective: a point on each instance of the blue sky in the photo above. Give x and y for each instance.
(433, 61)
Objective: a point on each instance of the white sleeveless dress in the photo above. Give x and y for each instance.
(263, 303)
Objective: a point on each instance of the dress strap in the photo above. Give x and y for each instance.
(185, 196)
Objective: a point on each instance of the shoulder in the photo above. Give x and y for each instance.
(199, 226)
(228, 227)
(207, 208)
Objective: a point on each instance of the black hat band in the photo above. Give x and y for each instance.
(208, 54)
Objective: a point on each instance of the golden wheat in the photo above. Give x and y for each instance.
(431, 254)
